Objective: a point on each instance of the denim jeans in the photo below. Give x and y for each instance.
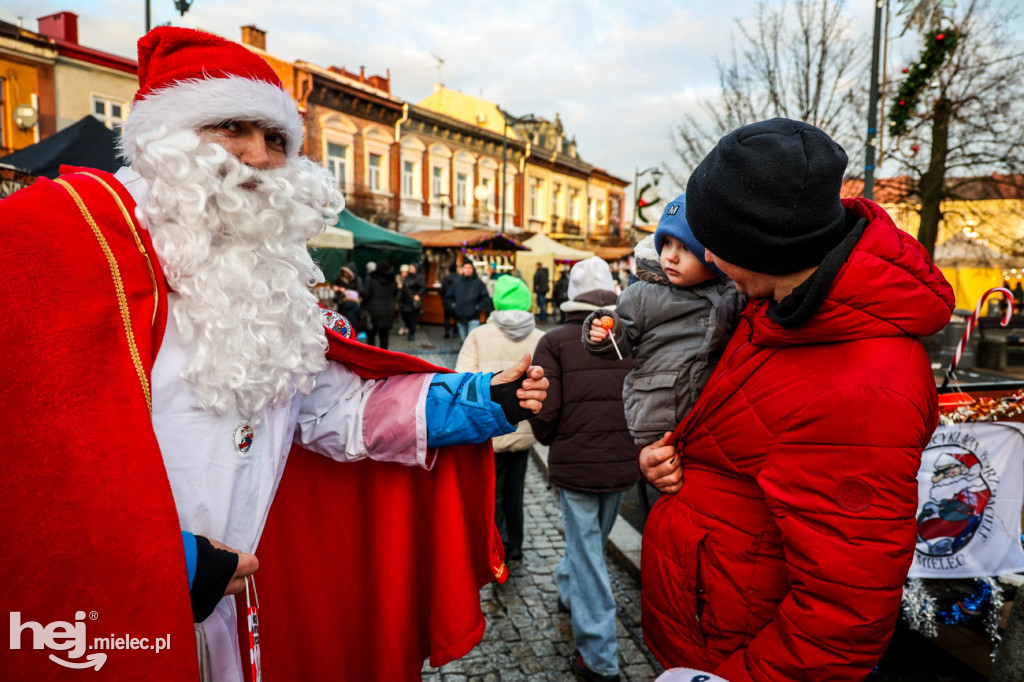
(466, 326)
(582, 576)
(542, 303)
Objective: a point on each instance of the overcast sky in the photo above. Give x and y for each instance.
(619, 74)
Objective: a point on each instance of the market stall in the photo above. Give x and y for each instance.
(442, 248)
(331, 249)
(973, 267)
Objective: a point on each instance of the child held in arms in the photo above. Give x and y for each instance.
(675, 321)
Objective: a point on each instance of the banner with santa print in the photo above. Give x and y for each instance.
(970, 492)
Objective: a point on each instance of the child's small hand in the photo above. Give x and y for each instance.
(597, 333)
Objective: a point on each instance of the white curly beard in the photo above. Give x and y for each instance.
(232, 243)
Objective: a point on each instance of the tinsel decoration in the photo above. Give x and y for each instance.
(985, 410)
(939, 44)
(918, 608)
(921, 613)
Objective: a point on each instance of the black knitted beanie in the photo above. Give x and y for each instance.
(767, 197)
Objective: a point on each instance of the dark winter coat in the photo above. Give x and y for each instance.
(446, 285)
(540, 281)
(379, 298)
(783, 555)
(467, 298)
(561, 292)
(582, 418)
(412, 285)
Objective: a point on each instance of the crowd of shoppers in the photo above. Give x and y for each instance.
(756, 320)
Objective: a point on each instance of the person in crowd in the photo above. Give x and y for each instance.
(198, 368)
(592, 461)
(403, 272)
(468, 300)
(541, 286)
(410, 298)
(492, 275)
(381, 291)
(675, 322)
(348, 295)
(449, 310)
(623, 278)
(786, 528)
(510, 332)
(1018, 297)
(560, 294)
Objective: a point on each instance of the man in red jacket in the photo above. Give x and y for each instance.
(781, 551)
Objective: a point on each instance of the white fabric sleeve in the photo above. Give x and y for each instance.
(348, 418)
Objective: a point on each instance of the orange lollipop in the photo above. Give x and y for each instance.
(608, 323)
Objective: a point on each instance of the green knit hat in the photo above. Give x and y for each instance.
(511, 293)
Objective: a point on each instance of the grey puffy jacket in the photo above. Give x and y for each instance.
(676, 336)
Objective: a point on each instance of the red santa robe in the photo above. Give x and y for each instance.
(366, 568)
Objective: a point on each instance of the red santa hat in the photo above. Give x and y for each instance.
(959, 456)
(189, 79)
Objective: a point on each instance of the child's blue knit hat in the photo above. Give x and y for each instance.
(673, 223)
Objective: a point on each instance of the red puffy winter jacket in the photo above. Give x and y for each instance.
(784, 554)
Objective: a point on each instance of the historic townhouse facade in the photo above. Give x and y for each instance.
(449, 161)
(27, 107)
(87, 81)
(548, 188)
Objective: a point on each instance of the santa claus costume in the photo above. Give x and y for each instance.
(190, 371)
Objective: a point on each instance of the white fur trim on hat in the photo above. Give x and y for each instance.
(200, 102)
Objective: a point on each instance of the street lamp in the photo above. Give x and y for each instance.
(509, 120)
(444, 207)
(656, 176)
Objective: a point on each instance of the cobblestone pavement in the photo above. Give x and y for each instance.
(526, 637)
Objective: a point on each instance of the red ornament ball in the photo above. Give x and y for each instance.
(941, 36)
(903, 102)
(905, 69)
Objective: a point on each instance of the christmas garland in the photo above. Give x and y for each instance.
(922, 612)
(939, 44)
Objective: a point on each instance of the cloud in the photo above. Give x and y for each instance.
(620, 75)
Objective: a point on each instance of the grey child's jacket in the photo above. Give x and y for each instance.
(676, 336)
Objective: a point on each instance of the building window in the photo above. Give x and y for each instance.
(408, 178)
(489, 201)
(574, 205)
(534, 199)
(109, 112)
(336, 156)
(437, 182)
(460, 189)
(374, 176)
(556, 198)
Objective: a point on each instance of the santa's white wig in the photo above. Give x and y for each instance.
(232, 243)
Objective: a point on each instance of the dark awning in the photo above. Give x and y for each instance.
(86, 143)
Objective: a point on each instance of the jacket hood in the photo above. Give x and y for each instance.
(887, 286)
(516, 325)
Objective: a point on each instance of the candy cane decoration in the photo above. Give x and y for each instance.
(974, 320)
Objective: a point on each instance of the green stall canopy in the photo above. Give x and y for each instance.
(372, 243)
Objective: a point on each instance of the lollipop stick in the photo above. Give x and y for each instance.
(615, 345)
